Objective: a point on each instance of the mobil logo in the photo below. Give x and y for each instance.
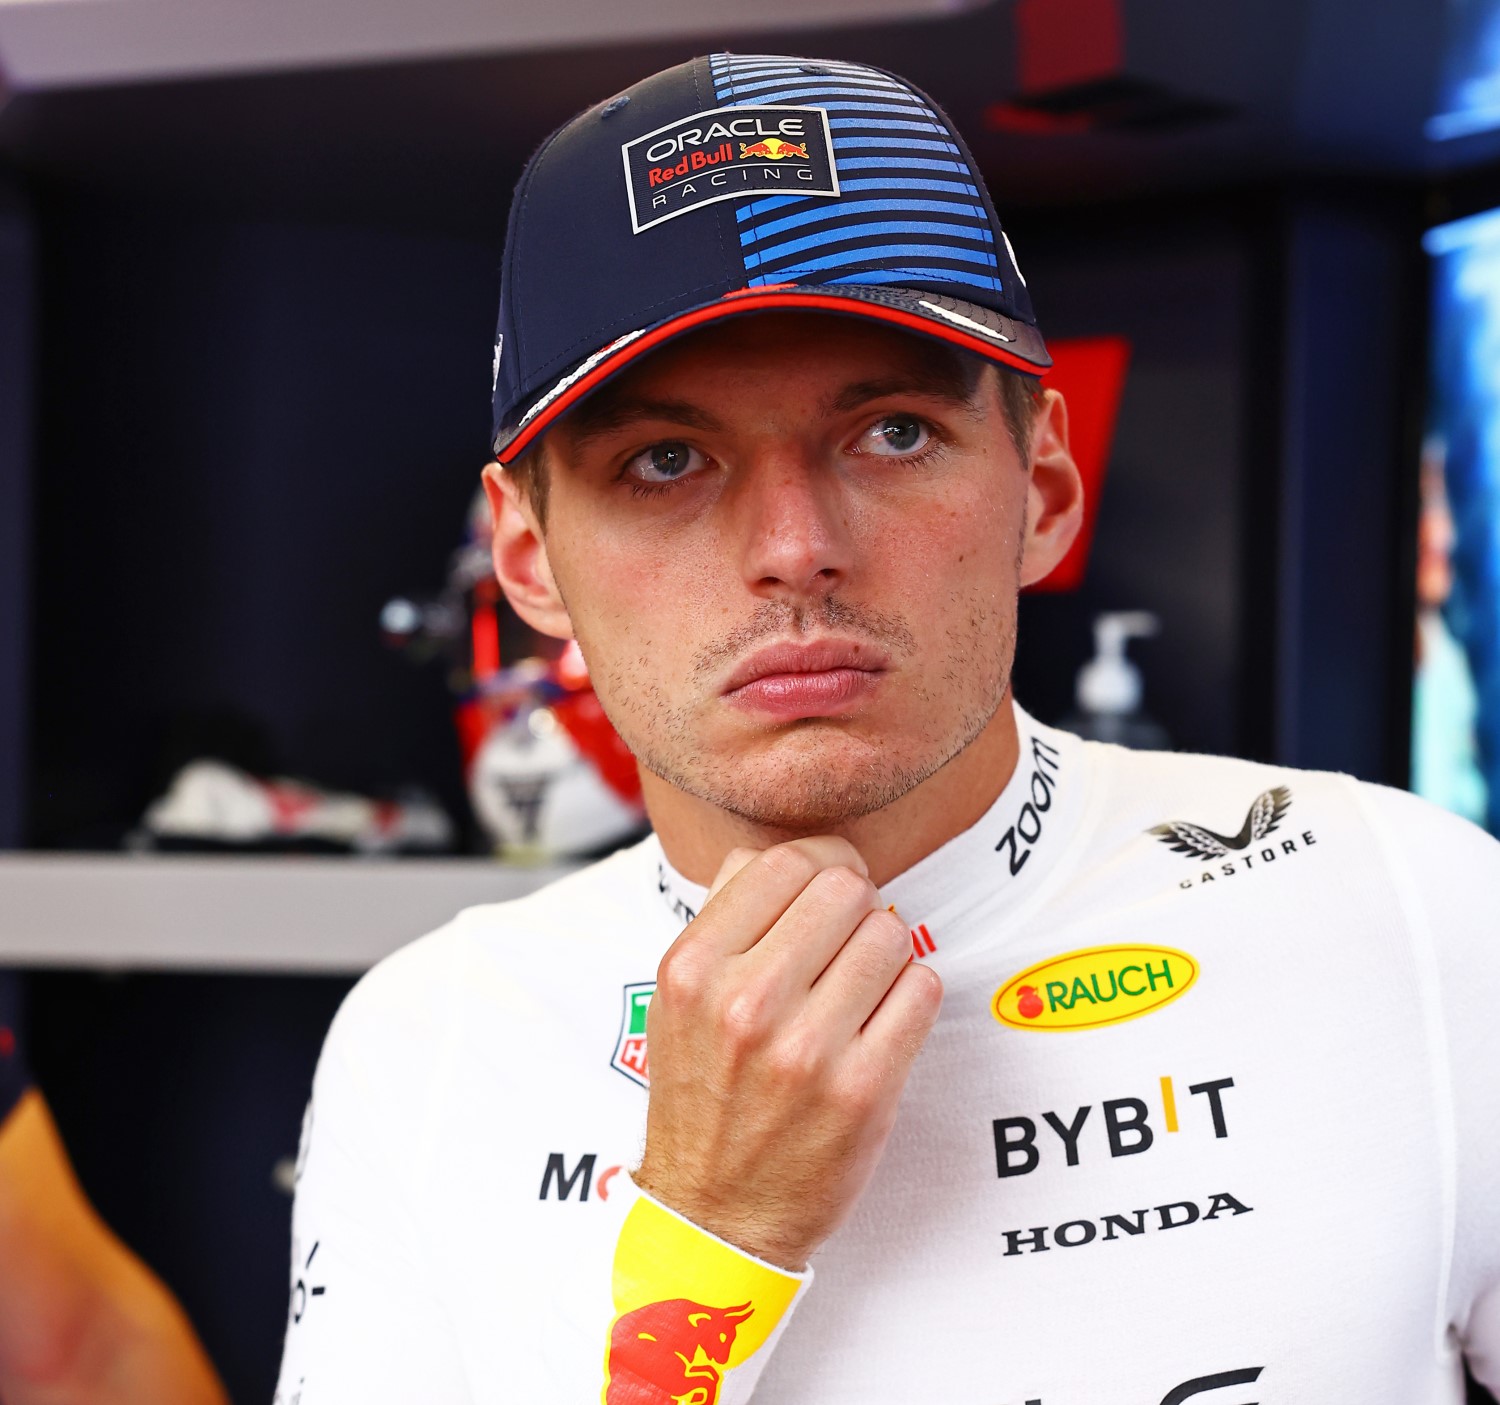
(670, 1352)
(1098, 985)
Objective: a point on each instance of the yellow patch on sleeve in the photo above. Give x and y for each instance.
(688, 1309)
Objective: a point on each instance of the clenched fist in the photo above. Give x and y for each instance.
(785, 1021)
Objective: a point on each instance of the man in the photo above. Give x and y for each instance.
(82, 1320)
(1203, 1114)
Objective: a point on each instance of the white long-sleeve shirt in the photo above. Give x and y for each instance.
(1211, 1112)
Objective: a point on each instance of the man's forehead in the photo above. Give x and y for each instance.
(852, 359)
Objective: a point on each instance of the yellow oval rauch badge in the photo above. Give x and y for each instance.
(1097, 986)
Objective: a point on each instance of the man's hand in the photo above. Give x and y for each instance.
(784, 1024)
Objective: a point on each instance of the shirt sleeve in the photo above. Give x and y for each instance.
(363, 1324)
(1454, 869)
(692, 1313)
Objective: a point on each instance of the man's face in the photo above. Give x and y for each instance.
(789, 547)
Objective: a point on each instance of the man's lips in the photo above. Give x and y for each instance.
(814, 679)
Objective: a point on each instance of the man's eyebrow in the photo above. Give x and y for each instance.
(602, 415)
(928, 381)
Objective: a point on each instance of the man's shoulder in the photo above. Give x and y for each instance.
(529, 948)
(1149, 790)
(1206, 807)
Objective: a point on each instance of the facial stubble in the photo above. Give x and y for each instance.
(817, 774)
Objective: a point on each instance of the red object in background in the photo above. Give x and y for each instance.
(583, 719)
(472, 722)
(484, 636)
(1032, 122)
(1090, 373)
(1061, 43)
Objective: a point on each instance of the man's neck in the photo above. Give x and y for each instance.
(696, 835)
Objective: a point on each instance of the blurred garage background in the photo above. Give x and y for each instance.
(248, 277)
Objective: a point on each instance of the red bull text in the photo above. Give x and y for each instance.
(700, 159)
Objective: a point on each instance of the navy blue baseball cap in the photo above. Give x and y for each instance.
(735, 184)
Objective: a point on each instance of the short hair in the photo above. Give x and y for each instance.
(1020, 399)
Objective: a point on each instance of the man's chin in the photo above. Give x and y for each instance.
(807, 781)
(795, 808)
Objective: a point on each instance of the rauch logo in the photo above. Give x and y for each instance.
(1097, 986)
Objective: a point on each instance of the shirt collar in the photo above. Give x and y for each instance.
(997, 862)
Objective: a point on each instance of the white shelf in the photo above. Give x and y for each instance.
(295, 915)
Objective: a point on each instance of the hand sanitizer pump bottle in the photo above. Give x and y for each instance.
(1108, 694)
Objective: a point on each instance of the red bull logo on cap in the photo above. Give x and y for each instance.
(773, 149)
(671, 1353)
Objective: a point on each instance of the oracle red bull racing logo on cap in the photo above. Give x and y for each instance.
(728, 153)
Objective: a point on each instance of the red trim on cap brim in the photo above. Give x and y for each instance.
(739, 302)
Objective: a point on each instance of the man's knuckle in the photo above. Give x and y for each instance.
(845, 885)
(742, 1017)
(798, 1057)
(884, 938)
(790, 862)
(679, 977)
(862, 1093)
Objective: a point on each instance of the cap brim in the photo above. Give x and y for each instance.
(981, 330)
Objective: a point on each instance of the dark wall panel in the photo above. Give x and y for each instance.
(16, 389)
(177, 1095)
(1171, 533)
(251, 436)
(1354, 354)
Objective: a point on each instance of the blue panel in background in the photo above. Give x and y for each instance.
(1456, 698)
(1468, 98)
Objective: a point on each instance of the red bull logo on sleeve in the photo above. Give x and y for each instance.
(689, 1312)
(671, 1353)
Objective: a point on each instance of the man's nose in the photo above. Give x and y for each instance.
(791, 522)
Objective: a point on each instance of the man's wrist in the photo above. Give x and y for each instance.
(750, 1234)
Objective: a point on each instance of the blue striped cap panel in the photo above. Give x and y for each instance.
(909, 210)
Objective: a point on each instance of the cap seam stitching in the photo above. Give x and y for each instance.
(698, 90)
(533, 166)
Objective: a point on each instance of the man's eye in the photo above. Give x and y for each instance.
(662, 463)
(893, 436)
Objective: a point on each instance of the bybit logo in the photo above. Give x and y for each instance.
(1127, 1129)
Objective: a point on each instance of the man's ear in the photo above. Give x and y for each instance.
(1054, 498)
(520, 556)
